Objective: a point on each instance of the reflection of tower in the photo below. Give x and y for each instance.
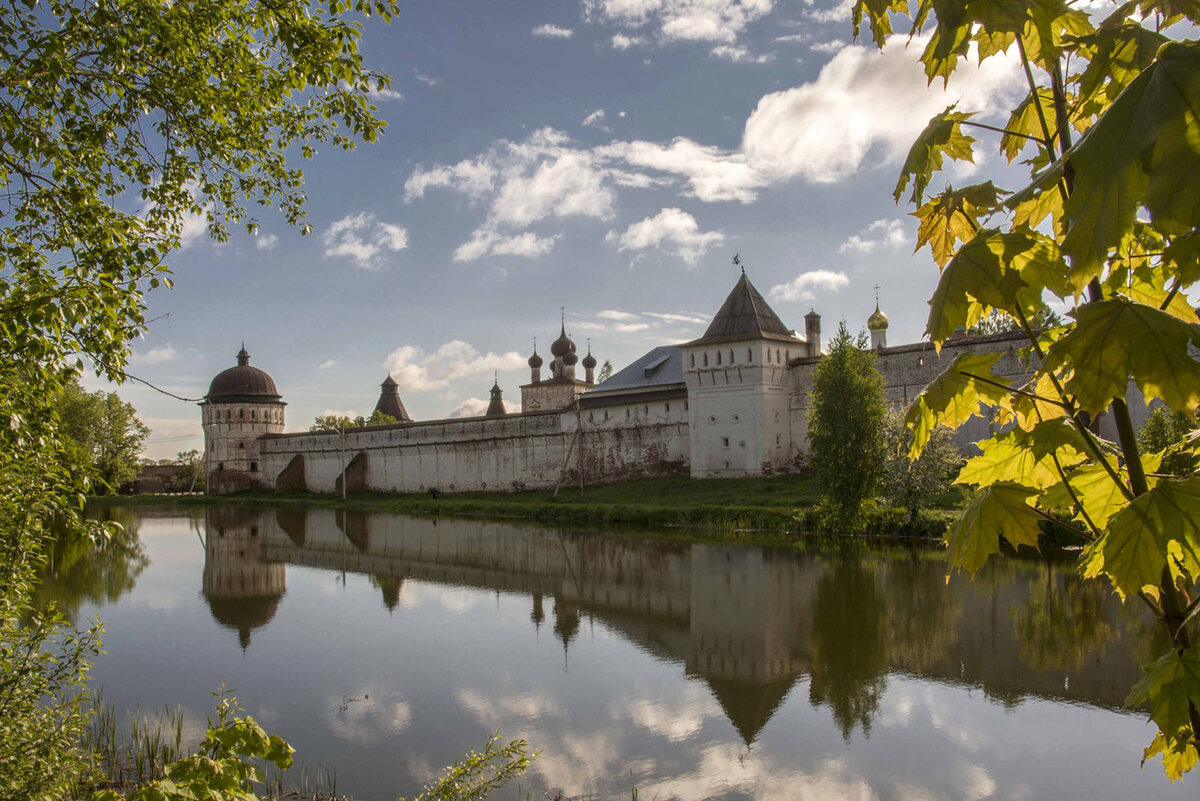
(744, 637)
(242, 591)
(566, 622)
(390, 586)
(538, 614)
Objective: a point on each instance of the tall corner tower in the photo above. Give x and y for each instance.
(242, 404)
(739, 388)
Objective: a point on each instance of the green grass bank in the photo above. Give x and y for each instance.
(780, 506)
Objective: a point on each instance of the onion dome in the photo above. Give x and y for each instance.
(589, 361)
(535, 361)
(242, 383)
(570, 359)
(563, 345)
(878, 321)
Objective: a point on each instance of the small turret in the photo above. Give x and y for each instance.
(496, 406)
(812, 332)
(589, 365)
(877, 324)
(535, 365)
(389, 401)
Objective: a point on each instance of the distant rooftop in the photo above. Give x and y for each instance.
(660, 367)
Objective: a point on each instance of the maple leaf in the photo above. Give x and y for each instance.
(1005, 270)
(942, 137)
(1142, 152)
(1116, 340)
(998, 510)
(1024, 122)
(954, 397)
(1025, 457)
(1117, 52)
(953, 216)
(878, 14)
(1171, 683)
(1158, 529)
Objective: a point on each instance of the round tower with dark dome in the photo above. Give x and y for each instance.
(242, 404)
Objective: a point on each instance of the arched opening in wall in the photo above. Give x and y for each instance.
(220, 466)
(787, 354)
(253, 414)
(731, 361)
(241, 414)
(768, 355)
(668, 407)
(777, 355)
(241, 445)
(692, 359)
(706, 360)
(646, 409)
(685, 406)
(626, 414)
(254, 467)
(606, 416)
(718, 357)
(749, 354)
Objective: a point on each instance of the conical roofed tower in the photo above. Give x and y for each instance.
(389, 401)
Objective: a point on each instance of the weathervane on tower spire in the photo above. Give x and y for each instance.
(737, 262)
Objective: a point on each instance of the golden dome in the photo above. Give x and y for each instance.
(878, 321)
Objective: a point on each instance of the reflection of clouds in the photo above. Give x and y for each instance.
(496, 712)
(676, 720)
(724, 769)
(895, 712)
(582, 762)
(955, 720)
(977, 783)
(452, 599)
(371, 715)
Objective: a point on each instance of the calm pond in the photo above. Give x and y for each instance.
(385, 646)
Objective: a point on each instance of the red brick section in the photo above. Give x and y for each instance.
(292, 479)
(355, 475)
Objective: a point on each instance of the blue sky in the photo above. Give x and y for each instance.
(606, 156)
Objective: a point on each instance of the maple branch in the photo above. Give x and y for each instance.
(1011, 389)
(1004, 131)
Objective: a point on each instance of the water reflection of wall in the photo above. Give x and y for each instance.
(749, 622)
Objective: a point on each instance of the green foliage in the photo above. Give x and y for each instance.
(339, 422)
(190, 475)
(224, 766)
(912, 484)
(606, 371)
(997, 322)
(1105, 220)
(101, 435)
(119, 120)
(845, 428)
(1166, 433)
(478, 774)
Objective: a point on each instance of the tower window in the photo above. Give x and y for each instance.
(777, 354)
(731, 356)
(724, 442)
(668, 407)
(692, 359)
(254, 467)
(220, 466)
(718, 357)
(749, 354)
(241, 414)
(706, 360)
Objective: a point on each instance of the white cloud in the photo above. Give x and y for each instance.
(484, 242)
(862, 102)
(472, 177)
(383, 93)
(794, 37)
(594, 118)
(156, 356)
(829, 47)
(879, 234)
(195, 228)
(740, 55)
(266, 241)
(622, 42)
(711, 173)
(672, 317)
(804, 286)
(681, 20)
(549, 31)
(476, 407)
(618, 316)
(325, 365)
(362, 238)
(672, 230)
(426, 79)
(838, 12)
(417, 371)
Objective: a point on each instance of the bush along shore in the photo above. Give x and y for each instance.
(772, 508)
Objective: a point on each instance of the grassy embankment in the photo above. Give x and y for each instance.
(778, 504)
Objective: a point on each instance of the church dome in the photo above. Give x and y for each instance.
(242, 383)
(878, 321)
(535, 361)
(589, 361)
(563, 345)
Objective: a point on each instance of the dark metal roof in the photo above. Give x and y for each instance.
(390, 403)
(745, 315)
(496, 406)
(659, 367)
(242, 383)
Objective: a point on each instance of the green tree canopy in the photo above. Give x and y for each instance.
(338, 422)
(119, 121)
(1101, 214)
(102, 436)
(845, 428)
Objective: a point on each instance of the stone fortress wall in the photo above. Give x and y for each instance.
(734, 402)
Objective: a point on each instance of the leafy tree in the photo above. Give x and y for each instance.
(1165, 431)
(845, 428)
(997, 322)
(338, 422)
(190, 474)
(1105, 220)
(912, 483)
(606, 371)
(119, 120)
(102, 436)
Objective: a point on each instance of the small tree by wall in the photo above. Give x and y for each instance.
(912, 484)
(845, 429)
